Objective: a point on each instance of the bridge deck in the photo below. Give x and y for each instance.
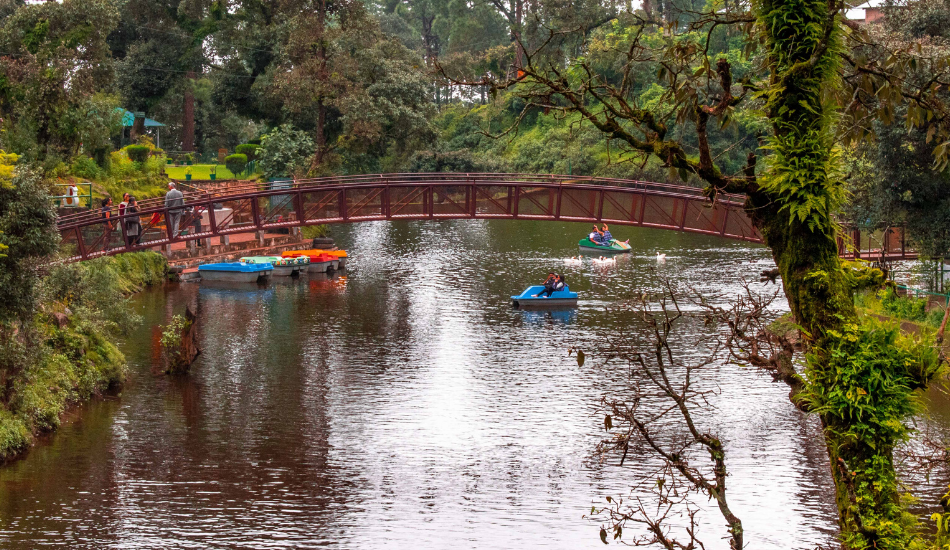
(266, 206)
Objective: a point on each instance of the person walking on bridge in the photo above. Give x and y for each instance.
(133, 225)
(174, 201)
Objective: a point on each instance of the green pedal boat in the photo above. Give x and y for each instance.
(615, 246)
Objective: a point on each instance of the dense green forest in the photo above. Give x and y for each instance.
(346, 87)
(813, 118)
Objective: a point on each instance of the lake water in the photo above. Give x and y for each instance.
(405, 404)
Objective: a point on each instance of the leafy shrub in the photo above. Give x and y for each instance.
(121, 166)
(907, 308)
(59, 170)
(28, 225)
(154, 166)
(248, 149)
(14, 434)
(171, 336)
(235, 163)
(285, 151)
(903, 307)
(138, 153)
(96, 289)
(146, 141)
(935, 317)
(315, 231)
(84, 167)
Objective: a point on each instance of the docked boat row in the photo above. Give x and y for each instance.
(251, 269)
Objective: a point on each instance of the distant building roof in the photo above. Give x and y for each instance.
(868, 11)
(128, 119)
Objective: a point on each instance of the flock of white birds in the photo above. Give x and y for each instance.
(603, 260)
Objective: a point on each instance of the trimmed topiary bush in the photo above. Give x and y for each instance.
(236, 163)
(138, 153)
(248, 149)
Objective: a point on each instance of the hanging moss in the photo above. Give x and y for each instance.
(861, 383)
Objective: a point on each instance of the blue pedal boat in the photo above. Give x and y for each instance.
(560, 298)
(235, 272)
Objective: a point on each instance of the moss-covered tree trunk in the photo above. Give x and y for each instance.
(794, 207)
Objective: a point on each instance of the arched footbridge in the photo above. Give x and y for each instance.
(243, 208)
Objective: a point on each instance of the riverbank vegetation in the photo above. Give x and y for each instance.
(58, 321)
(64, 352)
(887, 302)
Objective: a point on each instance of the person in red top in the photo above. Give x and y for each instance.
(123, 204)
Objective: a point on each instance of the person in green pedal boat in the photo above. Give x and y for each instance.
(597, 237)
(607, 237)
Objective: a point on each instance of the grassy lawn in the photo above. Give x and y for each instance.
(203, 172)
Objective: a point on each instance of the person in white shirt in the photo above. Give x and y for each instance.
(174, 200)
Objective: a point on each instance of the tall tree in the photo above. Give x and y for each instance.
(326, 67)
(163, 49)
(55, 59)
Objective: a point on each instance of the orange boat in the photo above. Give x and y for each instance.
(320, 261)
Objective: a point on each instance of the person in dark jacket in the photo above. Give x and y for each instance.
(133, 225)
(106, 212)
(549, 284)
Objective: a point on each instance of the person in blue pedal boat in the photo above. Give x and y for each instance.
(548, 285)
(552, 285)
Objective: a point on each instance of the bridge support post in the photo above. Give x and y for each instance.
(260, 238)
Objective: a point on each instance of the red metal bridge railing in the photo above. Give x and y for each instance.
(262, 206)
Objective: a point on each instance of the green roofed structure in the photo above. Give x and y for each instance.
(128, 120)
